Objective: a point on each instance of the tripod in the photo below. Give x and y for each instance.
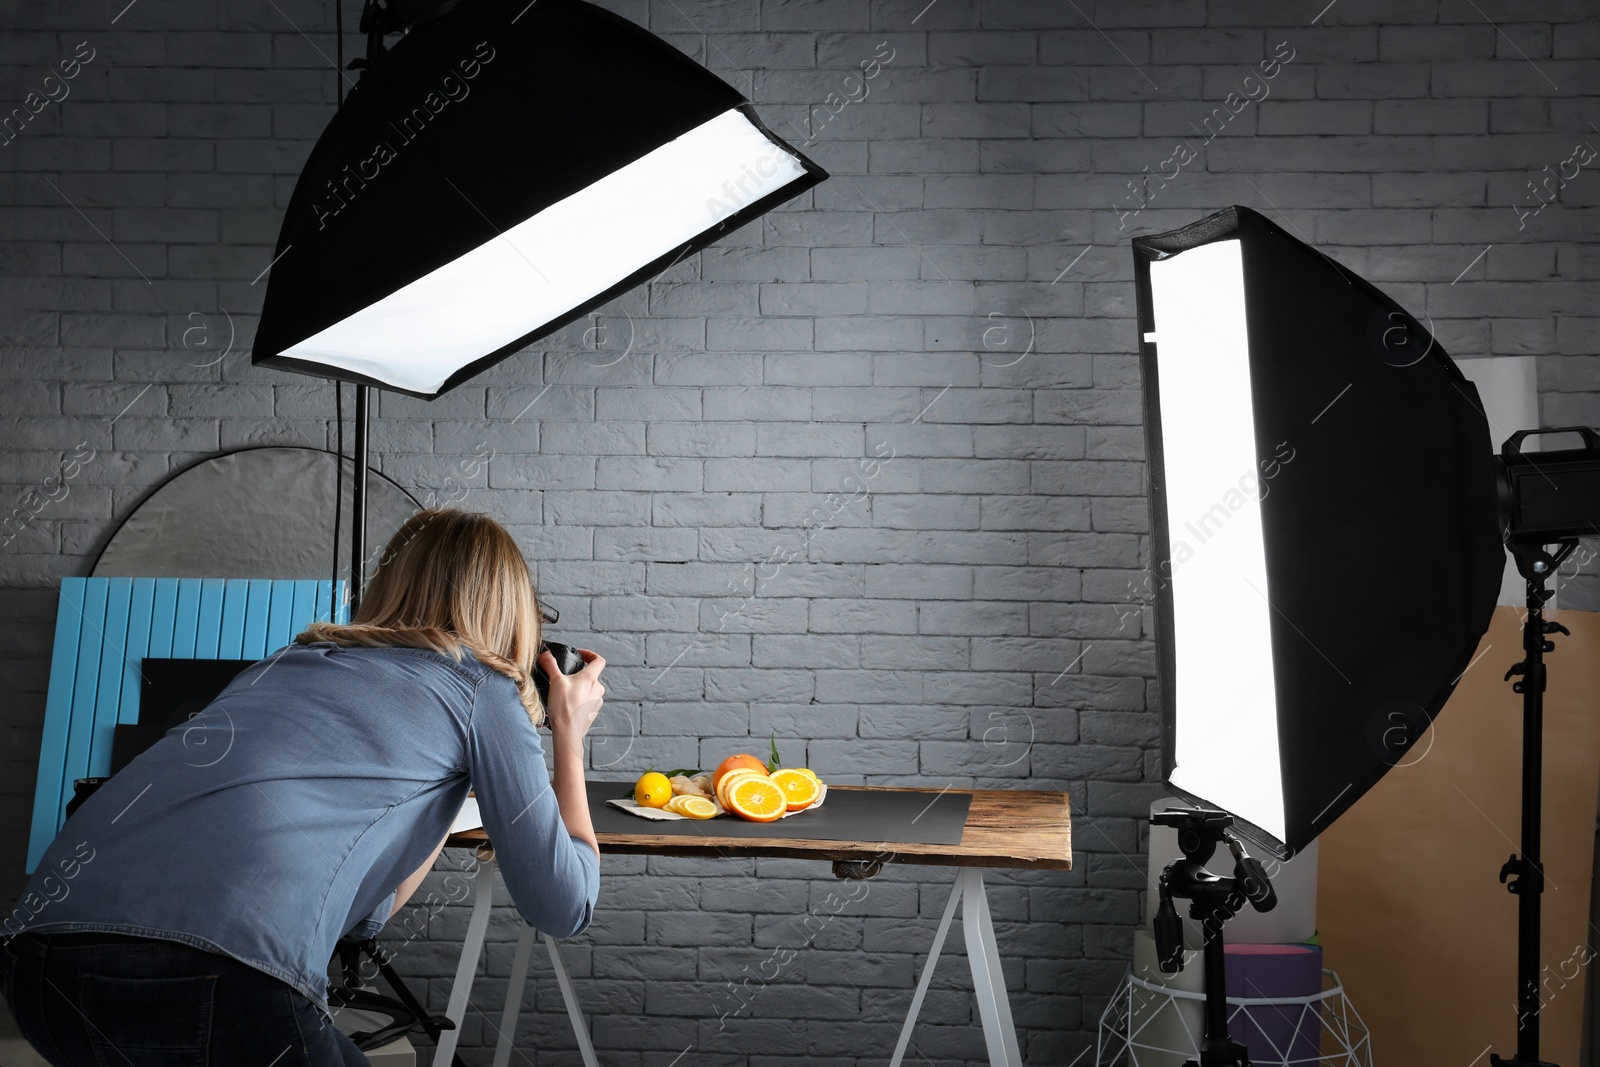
(406, 1013)
(1213, 901)
(1526, 872)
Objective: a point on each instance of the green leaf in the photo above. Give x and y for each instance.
(774, 763)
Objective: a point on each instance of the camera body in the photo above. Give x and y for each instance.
(568, 661)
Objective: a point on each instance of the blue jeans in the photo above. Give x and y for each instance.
(98, 999)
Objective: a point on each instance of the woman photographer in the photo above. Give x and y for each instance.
(215, 874)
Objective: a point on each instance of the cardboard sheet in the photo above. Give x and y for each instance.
(1411, 913)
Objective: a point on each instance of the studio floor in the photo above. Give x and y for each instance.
(15, 1052)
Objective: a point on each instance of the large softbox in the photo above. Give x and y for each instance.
(504, 169)
(1326, 549)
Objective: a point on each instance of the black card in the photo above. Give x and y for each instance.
(896, 817)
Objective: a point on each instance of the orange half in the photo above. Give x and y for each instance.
(757, 797)
(800, 789)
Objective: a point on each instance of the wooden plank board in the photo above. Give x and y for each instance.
(186, 619)
(57, 716)
(235, 599)
(163, 619)
(305, 606)
(80, 725)
(140, 611)
(114, 657)
(1005, 828)
(255, 620)
(105, 628)
(208, 626)
(281, 617)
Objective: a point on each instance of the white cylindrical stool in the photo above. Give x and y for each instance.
(1170, 1034)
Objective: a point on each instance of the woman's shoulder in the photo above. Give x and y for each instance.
(468, 668)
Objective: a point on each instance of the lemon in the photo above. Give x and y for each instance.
(652, 790)
(808, 772)
(696, 807)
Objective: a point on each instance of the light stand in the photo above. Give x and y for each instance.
(376, 20)
(358, 499)
(1213, 901)
(1526, 873)
(1547, 500)
(1244, 331)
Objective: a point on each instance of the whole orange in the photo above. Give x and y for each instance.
(743, 759)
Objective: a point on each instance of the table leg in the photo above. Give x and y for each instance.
(471, 952)
(987, 978)
(988, 981)
(519, 979)
(927, 971)
(580, 1028)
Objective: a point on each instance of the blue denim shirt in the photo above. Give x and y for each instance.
(284, 815)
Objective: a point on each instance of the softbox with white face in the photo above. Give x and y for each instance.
(503, 170)
(1325, 543)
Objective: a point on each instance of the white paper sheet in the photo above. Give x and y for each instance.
(469, 819)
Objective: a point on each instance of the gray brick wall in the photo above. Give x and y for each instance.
(959, 294)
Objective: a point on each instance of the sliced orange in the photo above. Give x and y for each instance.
(696, 807)
(728, 780)
(808, 772)
(757, 797)
(800, 788)
(731, 777)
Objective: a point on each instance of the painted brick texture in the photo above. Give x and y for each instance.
(935, 348)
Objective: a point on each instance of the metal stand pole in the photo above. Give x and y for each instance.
(1212, 902)
(358, 502)
(1529, 883)
(1217, 1041)
(1526, 872)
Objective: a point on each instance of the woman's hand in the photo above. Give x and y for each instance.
(575, 699)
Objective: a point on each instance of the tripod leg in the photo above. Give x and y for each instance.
(406, 997)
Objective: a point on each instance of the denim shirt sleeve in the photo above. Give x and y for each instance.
(372, 925)
(554, 881)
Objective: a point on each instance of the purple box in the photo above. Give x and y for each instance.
(1289, 1033)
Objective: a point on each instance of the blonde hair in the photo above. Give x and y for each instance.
(450, 581)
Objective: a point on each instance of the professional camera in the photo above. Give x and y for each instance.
(568, 661)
